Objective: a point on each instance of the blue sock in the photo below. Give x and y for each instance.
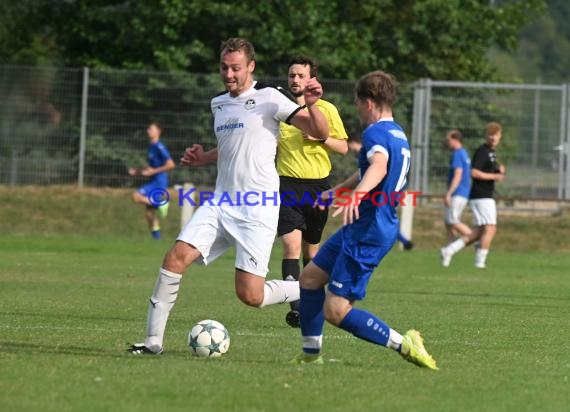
(312, 319)
(402, 238)
(365, 325)
(155, 234)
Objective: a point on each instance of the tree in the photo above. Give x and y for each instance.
(413, 38)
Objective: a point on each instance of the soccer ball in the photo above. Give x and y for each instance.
(209, 338)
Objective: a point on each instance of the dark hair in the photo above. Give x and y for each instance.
(378, 86)
(304, 61)
(155, 124)
(235, 44)
(355, 138)
(455, 134)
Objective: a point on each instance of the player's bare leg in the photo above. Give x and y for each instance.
(309, 251)
(140, 198)
(153, 222)
(452, 248)
(254, 290)
(150, 213)
(462, 229)
(457, 229)
(336, 308)
(450, 233)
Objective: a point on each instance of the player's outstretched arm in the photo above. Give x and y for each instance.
(348, 184)
(372, 178)
(312, 121)
(196, 156)
(151, 171)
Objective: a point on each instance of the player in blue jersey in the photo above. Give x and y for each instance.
(348, 258)
(159, 163)
(458, 186)
(355, 145)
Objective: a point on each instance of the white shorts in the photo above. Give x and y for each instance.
(214, 229)
(484, 211)
(453, 212)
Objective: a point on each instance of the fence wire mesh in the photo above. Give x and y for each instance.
(530, 147)
(41, 127)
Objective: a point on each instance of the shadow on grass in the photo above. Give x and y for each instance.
(69, 315)
(487, 296)
(35, 349)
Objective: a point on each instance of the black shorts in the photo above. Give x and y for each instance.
(295, 211)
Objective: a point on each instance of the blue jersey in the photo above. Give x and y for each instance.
(378, 223)
(460, 160)
(157, 156)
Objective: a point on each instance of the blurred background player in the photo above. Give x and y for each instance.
(246, 125)
(355, 144)
(159, 163)
(485, 171)
(458, 186)
(347, 260)
(304, 166)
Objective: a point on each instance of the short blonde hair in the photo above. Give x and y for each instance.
(492, 128)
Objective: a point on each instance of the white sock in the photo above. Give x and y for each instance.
(312, 344)
(280, 291)
(481, 256)
(456, 245)
(394, 340)
(161, 302)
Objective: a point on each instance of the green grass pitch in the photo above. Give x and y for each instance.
(70, 304)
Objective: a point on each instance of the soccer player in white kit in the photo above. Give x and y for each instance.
(246, 124)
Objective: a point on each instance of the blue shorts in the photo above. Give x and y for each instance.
(149, 187)
(349, 264)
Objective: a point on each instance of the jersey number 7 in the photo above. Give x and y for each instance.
(402, 180)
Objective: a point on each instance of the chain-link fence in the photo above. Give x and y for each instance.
(534, 146)
(39, 125)
(86, 127)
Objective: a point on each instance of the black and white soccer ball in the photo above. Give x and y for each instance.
(209, 339)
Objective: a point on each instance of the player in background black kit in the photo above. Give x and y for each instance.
(485, 171)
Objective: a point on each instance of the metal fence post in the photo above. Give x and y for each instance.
(83, 128)
(564, 148)
(426, 136)
(535, 126)
(417, 146)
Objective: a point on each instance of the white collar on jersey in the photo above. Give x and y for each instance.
(385, 119)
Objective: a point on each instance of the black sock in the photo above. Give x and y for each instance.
(290, 269)
(306, 261)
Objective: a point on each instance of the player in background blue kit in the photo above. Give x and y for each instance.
(458, 186)
(159, 163)
(348, 258)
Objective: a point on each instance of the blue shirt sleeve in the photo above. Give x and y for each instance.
(456, 161)
(374, 141)
(163, 153)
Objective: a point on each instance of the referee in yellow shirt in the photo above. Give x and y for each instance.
(304, 166)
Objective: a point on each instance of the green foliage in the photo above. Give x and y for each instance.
(546, 44)
(440, 39)
(543, 50)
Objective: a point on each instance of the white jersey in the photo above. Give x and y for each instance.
(247, 129)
